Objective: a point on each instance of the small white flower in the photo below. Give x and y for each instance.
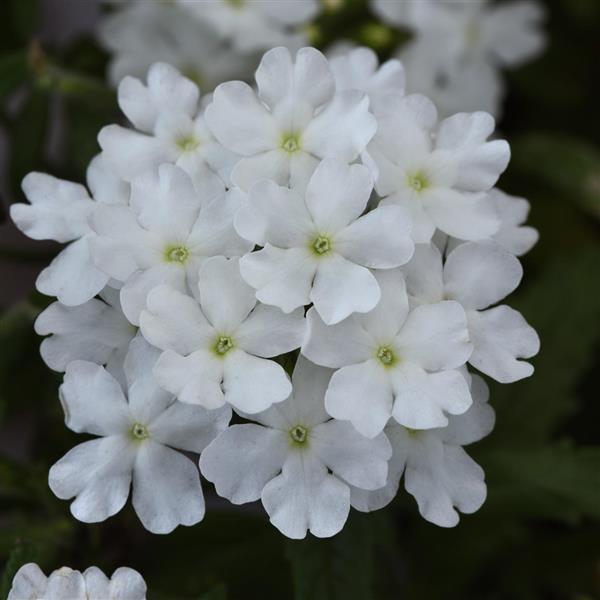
(393, 362)
(96, 331)
(294, 121)
(256, 24)
(441, 174)
(478, 275)
(163, 236)
(137, 433)
(297, 460)
(59, 211)
(359, 69)
(139, 34)
(437, 471)
(215, 352)
(318, 248)
(171, 128)
(30, 583)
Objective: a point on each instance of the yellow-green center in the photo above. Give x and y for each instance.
(223, 344)
(290, 143)
(188, 143)
(321, 245)
(236, 3)
(177, 254)
(418, 181)
(386, 356)
(139, 431)
(299, 434)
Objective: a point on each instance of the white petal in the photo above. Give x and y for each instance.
(424, 274)
(58, 211)
(304, 497)
(240, 121)
(422, 398)
(126, 584)
(97, 584)
(335, 346)
(174, 321)
(28, 583)
(243, 459)
(337, 194)
(478, 274)
(500, 337)
(281, 278)
(474, 424)
(466, 216)
(269, 332)
(481, 162)
(134, 294)
(513, 211)
(72, 276)
(166, 489)
(275, 215)
(91, 331)
(379, 240)
(342, 129)
(273, 164)
(187, 427)
(98, 473)
(435, 336)
(307, 79)
(66, 584)
(195, 379)
(105, 185)
(252, 384)
(226, 299)
(93, 400)
(360, 461)
(341, 288)
(361, 394)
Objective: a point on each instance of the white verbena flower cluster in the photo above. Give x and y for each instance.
(323, 219)
(209, 41)
(30, 583)
(459, 49)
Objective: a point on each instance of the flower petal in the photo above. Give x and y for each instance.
(166, 489)
(243, 459)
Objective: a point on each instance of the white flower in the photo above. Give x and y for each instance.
(163, 236)
(294, 121)
(359, 69)
(255, 24)
(171, 128)
(96, 331)
(297, 460)
(138, 431)
(216, 352)
(393, 362)
(437, 471)
(30, 583)
(318, 248)
(441, 174)
(142, 33)
(478, 275)
(459, 47)
(59, 211)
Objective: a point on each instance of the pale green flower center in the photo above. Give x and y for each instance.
(386, 356)
(418, 181)
(177, 254)
(188, 143)
(223, 344)
(321, 245)
(299, 434)
(290, 143)
(236, 3)
(139, 432)
(412, 432)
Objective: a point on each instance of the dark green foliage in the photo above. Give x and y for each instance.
(538, 535)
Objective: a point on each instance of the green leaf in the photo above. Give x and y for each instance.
(564, 163)
(562, 305)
